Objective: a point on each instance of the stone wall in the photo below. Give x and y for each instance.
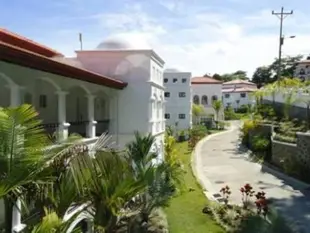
(282, 152)
(289, 156)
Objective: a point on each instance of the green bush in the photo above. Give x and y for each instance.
(286, 131)
(260, 143)
(266, 111)
(243, 109)
(230, 114)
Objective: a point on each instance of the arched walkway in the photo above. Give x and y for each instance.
(6, 85)
(102, 112)
(77, 110)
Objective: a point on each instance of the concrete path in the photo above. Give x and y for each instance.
(219, 161)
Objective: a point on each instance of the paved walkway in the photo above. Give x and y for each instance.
(219, 161)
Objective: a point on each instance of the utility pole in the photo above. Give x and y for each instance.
(281, 15)
(81, 41)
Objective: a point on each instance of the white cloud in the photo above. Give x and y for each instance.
(208, 42)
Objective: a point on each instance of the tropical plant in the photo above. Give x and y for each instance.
(217, 106)
(158, 176)
(197, 112)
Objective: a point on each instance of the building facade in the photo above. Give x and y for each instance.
(302, 70)
(205, 90)
(178, 99)
(115, 87)
(237, 93)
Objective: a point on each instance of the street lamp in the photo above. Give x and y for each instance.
(280, 53)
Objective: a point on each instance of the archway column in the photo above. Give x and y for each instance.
(63, 127)
(16, 95)
(91, 126)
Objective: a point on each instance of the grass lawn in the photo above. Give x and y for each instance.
(185, 211)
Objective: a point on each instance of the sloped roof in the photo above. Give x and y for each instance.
(12, 38)
(236, 90)
(205, 80)
(40, 59)
(239, 81)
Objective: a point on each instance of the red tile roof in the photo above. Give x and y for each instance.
(205, 80)
(239, 81)
(25, 43)
(13, 54)
(236, 90)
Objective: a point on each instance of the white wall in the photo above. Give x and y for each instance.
(208, 90)
(175, 104)
(231, 99)
(140, 105)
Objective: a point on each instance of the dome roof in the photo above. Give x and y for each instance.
(124, 43)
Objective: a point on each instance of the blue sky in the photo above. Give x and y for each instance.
(200, 36)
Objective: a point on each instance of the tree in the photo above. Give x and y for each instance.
(261, 76)
(217, 106)
(240, 74)
(197, 111)
(288, 66)
(217, 77)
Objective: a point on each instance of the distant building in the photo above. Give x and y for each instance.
(302, 70)
(178, 98)
(237, 93)
(205, 90)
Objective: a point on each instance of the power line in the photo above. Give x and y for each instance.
(281, 15)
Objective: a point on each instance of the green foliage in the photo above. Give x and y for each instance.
(268, 74)
(286, 131)
(266, 111)
(247, 126)
(260, 143)
(217, 106)
(243, 109)
(196, 133)
(230, 114)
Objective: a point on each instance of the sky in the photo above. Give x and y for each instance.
(200, 36)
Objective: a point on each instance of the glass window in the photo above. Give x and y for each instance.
(183, 80)
(175, 80)
(167, 116)
(182, 116)
(182, 94)
(167, 94)
(165, 80)
(242, 95)
(227, 95)
(42, 101)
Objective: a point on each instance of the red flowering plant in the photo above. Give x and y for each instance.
(247, 192)
(261, 203)
(226, 193)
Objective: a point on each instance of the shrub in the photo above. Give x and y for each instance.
(195, 134)
(245, 129)
(230, 114)
(243, 109)
(266, 111)
(260, 143)
(286, 131)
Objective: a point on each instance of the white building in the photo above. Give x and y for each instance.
(204, 91)
(116, 87)
(237, 93)
(178, 98)
(302, 70)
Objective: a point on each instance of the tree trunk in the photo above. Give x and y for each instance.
(8, 212)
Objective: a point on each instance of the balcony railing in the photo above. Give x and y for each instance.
(51, 129)
(78, 127)
(102, 126)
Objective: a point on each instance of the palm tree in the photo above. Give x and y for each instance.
(217, 106)
(197, 112)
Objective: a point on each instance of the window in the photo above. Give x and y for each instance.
(42, 101)
(167, 94)
(242, 95)
(165, 80)
(182, 94)
(174, 80)
(214, 98)
(182, 116)
(167, 116)
(204, 100)
(302, 71)
(184, 80)
(196, 99)
(28, 98)
(227, 95)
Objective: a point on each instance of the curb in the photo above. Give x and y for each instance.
(291, 180)
(206, 185)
